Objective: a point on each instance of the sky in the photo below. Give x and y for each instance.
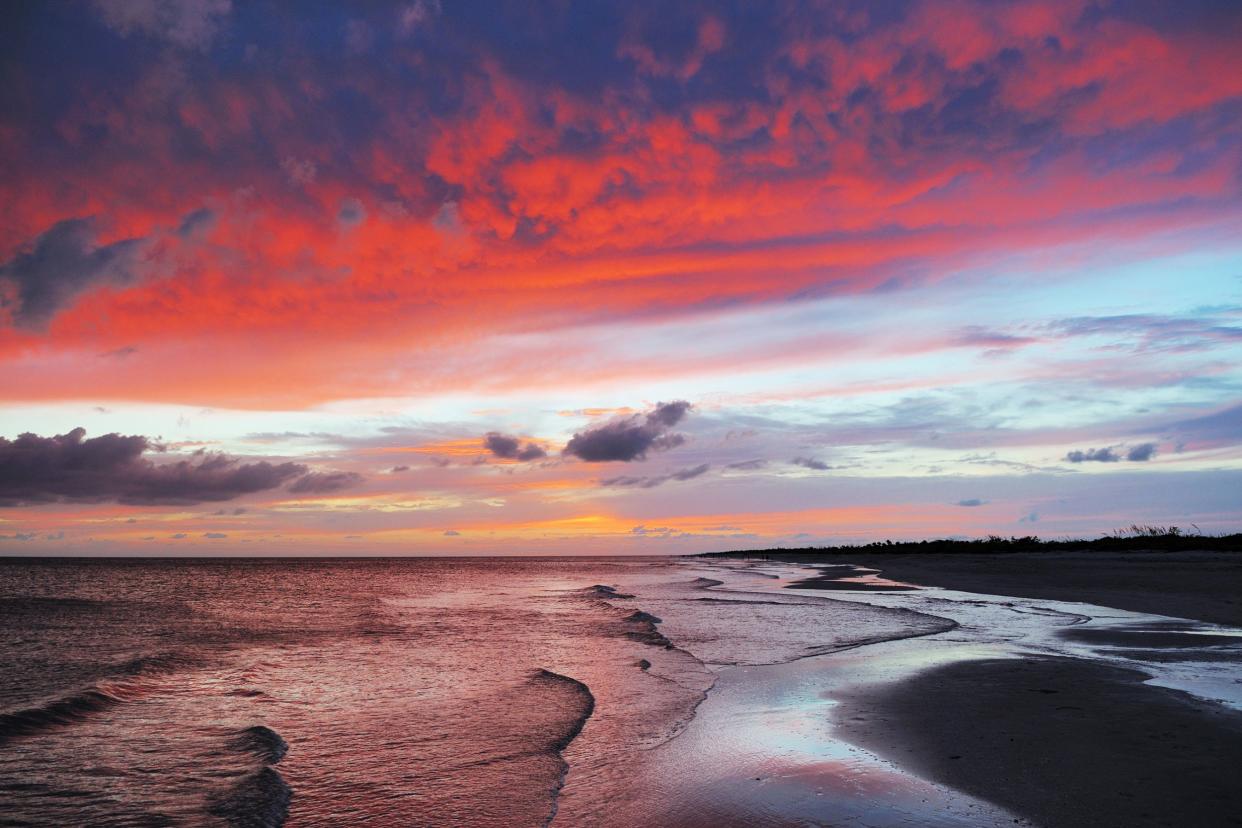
(466, 278)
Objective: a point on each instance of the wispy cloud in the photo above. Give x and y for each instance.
(651, 481)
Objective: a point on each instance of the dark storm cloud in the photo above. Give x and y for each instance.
(510, 448)
(1093, 455)
(630, 438)
(64, 262)
(810, 463)
(1141, 453)
(71, 467)
(655, 480)
(324, 482)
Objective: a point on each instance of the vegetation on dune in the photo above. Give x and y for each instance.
(1133, 538)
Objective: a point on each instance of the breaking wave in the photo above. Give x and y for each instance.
(259, 799)
(128, 682)
(586, 705)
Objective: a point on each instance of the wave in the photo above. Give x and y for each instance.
(638, 625)
(586, 700)
(262, 742)
(58, 713)
(603, 591)
(641, 627)
(259, 799)
(920, 624)
(127, 682)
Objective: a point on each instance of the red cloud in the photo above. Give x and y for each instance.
(863, 149)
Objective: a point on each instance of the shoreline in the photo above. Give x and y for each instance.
(1068, 728)
(1063, 742)
(757, 750)
(1202, 586)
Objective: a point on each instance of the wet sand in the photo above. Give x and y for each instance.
(1068, 741)
(1203, 586)
(1063, 742)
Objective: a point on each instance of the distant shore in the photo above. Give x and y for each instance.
(1134, 538)
(1157, 570)
(1204, 586)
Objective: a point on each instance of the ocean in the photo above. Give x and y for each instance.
(609, 693)
(371, 692)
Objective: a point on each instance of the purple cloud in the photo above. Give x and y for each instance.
(630, 438)
(510, 448)
(111, 467)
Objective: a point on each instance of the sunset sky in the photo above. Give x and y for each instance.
(491, 277)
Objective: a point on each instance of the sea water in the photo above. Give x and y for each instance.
(374, 692)
(659, 692)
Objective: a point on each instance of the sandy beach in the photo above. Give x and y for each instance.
(1087, 740)
(1064, 742)
(1206, 586)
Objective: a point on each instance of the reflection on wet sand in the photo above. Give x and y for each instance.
(774, 744)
